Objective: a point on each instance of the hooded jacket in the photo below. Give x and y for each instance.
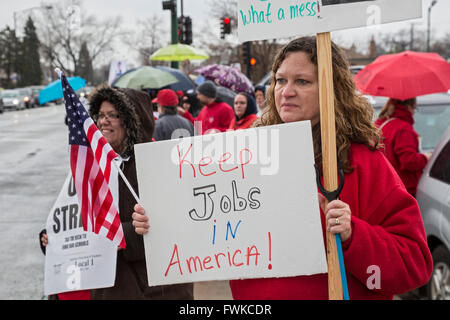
(249, 116)
(402, 146)
(135, 111)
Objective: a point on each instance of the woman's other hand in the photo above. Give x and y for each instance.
(140, 220)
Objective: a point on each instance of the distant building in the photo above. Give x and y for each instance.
(357, 58)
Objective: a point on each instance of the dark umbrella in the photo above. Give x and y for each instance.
(184, 82)
(226, 95)
(145, 78)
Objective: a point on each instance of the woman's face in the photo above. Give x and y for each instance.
(297, 89)
(186, 105)
(240, 105)
(412, 108)
(110, 125)
(259, 96)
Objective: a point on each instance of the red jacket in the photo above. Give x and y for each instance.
(387, 233)
(75, 295)
(402, 147)
(217, 115)
(244, 123)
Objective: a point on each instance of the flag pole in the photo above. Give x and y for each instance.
(128, 184)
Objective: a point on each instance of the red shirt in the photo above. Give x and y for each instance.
(244, 123)
(217, 115)
(402, 147)
(387, 233)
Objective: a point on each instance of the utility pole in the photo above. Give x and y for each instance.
(429, 23)
(411, 41)
(172, 6)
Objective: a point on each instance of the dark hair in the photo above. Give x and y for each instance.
(135, 111)
(251, 105)
(260, 88)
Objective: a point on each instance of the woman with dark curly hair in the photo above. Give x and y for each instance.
(125, 118)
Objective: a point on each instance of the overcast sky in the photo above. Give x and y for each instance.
(133, 10)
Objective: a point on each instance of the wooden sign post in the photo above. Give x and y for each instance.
(329, 158)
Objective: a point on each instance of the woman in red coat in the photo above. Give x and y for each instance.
(245, 111)
(401, 141)
(383, 237)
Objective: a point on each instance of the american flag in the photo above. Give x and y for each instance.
(91, 158)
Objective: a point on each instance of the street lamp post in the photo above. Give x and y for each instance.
(429, 23)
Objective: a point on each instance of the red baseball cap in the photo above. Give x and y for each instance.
(167, 98)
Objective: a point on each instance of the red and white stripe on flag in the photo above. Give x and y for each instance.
(91, 170)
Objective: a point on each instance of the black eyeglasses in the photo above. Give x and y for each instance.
(109, 116)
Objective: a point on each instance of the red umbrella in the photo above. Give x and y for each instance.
(405, 75)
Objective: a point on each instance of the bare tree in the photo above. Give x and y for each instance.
(150, 37)
(403, 40)
(442, 46)
(228, 50)
(64, 29)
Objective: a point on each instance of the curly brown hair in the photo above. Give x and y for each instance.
(353, 112)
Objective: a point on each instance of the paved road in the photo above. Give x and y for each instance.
(33, 166)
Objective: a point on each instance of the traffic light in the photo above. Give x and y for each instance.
(246, 55)
(225, 27)
(170, 5)
(252, 62)
(187, 30)
(246, 51)
(181, 28)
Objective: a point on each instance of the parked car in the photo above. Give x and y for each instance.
(265, 81)
(26, 93)
(34, 100)
(84, 92)
(432, 117)
(356, 69)
(433, 197)
(1, 103)
(14, 99)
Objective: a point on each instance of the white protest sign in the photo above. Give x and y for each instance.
(241, 204)
(116, 69)
(75, 259)
(268, 19)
